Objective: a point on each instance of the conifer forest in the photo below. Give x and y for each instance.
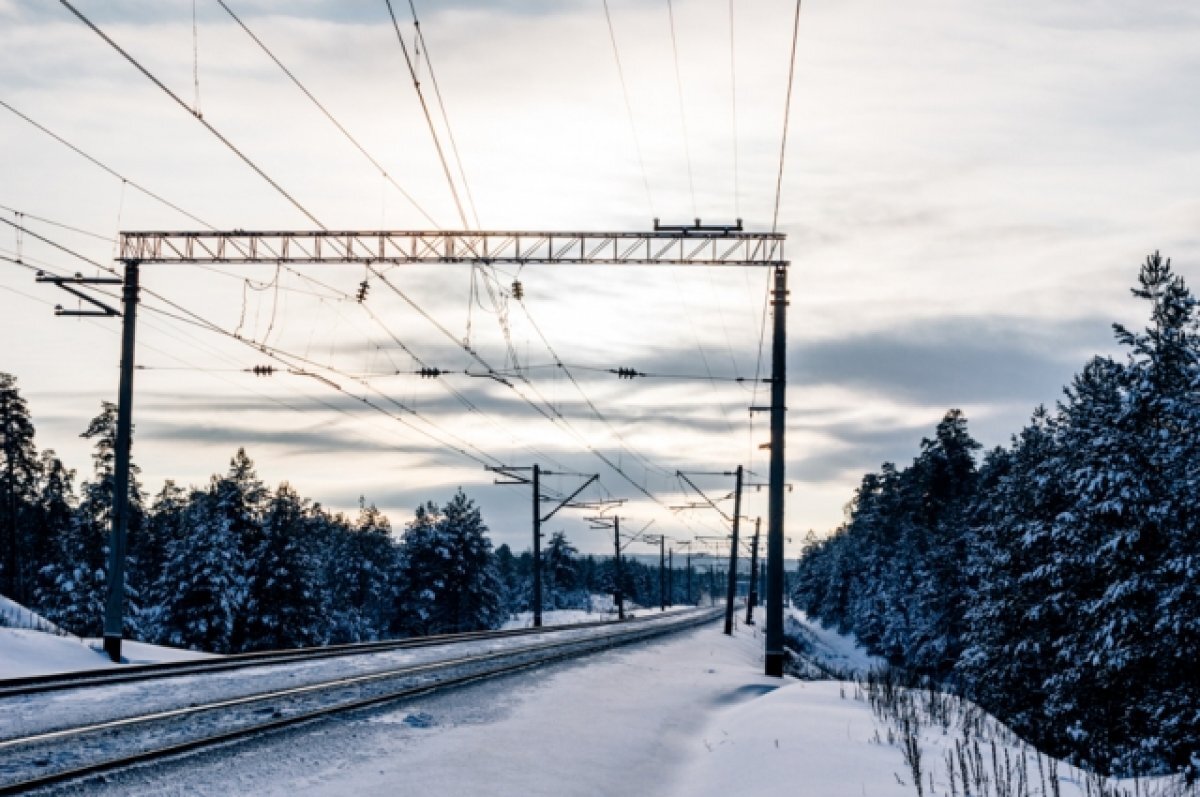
(1055, 580)
(235, 566)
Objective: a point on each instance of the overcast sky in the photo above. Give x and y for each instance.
(969, 189)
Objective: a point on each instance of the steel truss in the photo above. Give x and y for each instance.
(578, 248)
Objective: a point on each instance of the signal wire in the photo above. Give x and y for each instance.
(195, 114)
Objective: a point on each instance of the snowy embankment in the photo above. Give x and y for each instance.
(32, 645)
(873, 737)
(688, 716)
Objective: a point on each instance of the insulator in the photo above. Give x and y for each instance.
(363, 287)
(518, 290)
(627, 373)
(263, 370)
(430, 373)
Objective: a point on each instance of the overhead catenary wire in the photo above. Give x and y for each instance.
(195, 114)
(787, 111)
(328, 114)
(437, 93)
(283, 356)
(428, 117)
(460, 165)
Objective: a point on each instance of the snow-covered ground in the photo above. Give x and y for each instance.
(687, 716)
(32, 645)
(832, 652)
(24, 653)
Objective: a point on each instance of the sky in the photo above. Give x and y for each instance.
(968, 190)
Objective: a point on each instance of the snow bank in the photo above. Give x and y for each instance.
(25, 653)
(14, 615)
(833, 653)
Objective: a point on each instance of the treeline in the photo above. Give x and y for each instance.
(1057, 581)
(235, 566)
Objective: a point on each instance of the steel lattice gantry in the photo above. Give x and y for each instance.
(674, 246)
(610, 248)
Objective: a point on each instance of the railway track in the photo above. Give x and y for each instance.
(45, 758)
(141, 672)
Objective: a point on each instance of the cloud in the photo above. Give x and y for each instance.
(956, 361)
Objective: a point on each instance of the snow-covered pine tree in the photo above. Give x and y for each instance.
(562, 588)
(1014, 616)
(76, 587)
(162, 534)
(241, 502)
(287, 605)
(18, 491)
(360, 572)
(54, 521)
(201, 582)
(448, 578)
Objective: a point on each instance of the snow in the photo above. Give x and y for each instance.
(689, 715)
(25, 653)
(838, 653)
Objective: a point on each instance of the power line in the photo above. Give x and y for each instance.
(787, 109)
(58, 224)
(428, 118)
(637, 144)
(437, 93)
(737, 196)
(550, 415)
(106, 168)
(687, 147)
(328, 115)
(195, 114)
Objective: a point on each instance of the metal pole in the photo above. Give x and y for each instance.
(537, 548)
(671, 577)
(775, 655)
(662, 574)
(731, 592)
(752, 598)
(617, 570)
(113, 627)
(689, 577)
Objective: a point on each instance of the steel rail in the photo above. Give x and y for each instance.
(543, 653)
(38, 684)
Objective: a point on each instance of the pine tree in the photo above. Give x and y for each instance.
(360, 570)
(164, 532)
(18, 491)
(562, 589)
(201, 583)
(286, 604)
(75, 588)
(241, 503)
(448, 578)
(54, 519)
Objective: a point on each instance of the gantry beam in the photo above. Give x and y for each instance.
(579, 248)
